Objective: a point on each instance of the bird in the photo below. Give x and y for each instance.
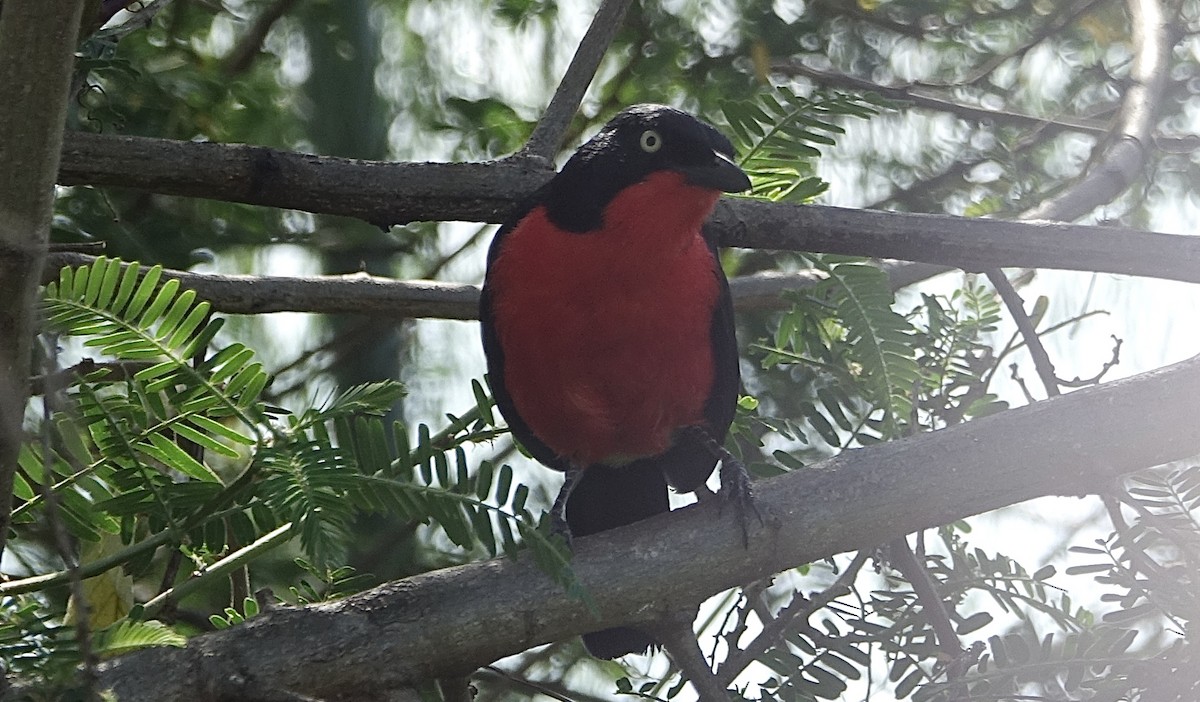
(608, 327)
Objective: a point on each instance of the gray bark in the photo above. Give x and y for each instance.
(32, 113)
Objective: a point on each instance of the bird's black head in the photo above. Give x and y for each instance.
(640, 140)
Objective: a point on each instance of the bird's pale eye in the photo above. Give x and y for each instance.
(651, 141)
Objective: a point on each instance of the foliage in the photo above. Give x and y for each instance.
(776, 133)
(169, 445)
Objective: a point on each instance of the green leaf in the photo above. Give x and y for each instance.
(128, 635)
(171, 456)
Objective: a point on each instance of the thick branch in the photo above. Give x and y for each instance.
(400, 192)
(451, 621)
(378, 192)
(37, 43)
(973, 244)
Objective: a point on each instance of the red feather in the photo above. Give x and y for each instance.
(609, 351)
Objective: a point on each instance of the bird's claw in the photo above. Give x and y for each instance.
(559, 527)
(736, 491)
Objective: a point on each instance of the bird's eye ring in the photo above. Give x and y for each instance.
(651, 141)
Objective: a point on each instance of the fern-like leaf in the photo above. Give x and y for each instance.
(779, 132)
(129, 635)
(880, 339)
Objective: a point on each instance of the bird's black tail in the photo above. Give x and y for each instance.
(607, 498)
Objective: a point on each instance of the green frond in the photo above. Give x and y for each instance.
(779, 133)
(879, 339)
(129, 316)
(129, 635)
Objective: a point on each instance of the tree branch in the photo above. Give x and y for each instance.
(548, 135)
(1016, 307)
(251, 43)
(374, 191)
(386, 193)
(451, 621)
(677, 638)
(1119, 160)
(32, 114)
(928, 98)
(361, 293)
(972, 244)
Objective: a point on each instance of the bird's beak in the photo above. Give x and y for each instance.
(719, 174)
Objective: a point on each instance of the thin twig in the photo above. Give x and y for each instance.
(115, 370)
(676, 636)
(538, 687)
(800, 608)
(1078, 382)
(250, 45)
(548, 135)
(455, 689)
(1016, 306)
(1020, 381)
(226, 565)
(433, 271)
(62, 538)
(1062, 18)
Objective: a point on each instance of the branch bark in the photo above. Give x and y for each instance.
(448, 622)
(1119, 160)
(32, 114)
(374, 191)
(973, 244)
(551, 129)
(361, 293)
(385, 193)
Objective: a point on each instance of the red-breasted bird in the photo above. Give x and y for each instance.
(608, 327)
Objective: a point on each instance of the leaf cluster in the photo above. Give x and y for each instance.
(168, 444)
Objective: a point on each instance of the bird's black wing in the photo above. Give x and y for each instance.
(688, 464)
(495, 353)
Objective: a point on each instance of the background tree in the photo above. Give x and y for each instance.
(183, 471)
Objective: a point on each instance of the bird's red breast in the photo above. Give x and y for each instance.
(606, 334)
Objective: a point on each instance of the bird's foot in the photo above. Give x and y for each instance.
(558, 513)
(735, 481)
(737, 492)
(559, 527)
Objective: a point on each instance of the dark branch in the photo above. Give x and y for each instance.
(1016, 307)
(548, 135)
(387, 193)
(451, 621)
(374, 191)
(37, 44)
(681, 645)
(251, 43)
